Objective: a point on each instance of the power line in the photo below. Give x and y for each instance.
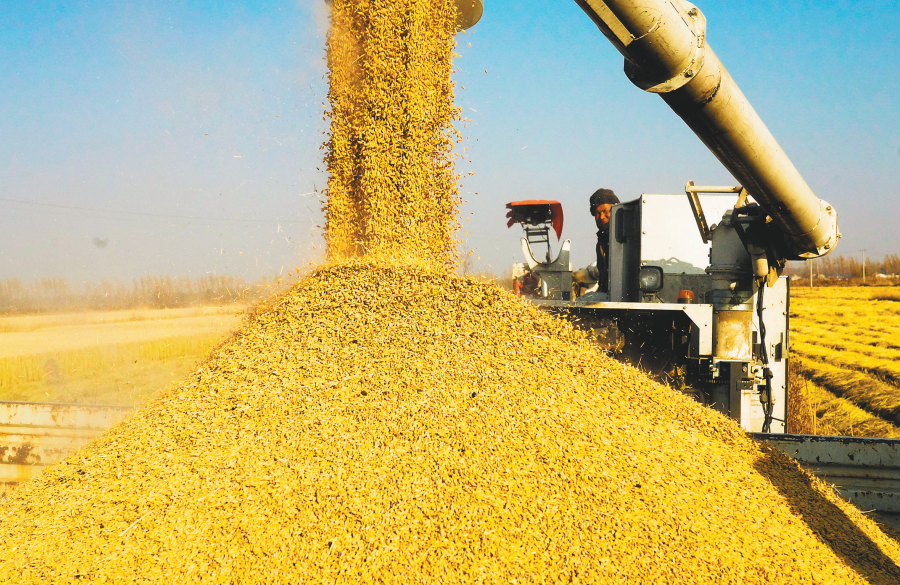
(146, 214)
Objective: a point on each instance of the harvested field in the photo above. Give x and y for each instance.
(832, 415)
(873, 395)
(847, 340)
(108, 357)
(430, 428)
(850, 356)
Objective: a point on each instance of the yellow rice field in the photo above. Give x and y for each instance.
(846, 349)
(110, 357)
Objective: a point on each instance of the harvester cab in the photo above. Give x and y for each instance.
(535, 278)
(537, 216)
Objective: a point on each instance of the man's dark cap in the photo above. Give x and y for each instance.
(602, 197)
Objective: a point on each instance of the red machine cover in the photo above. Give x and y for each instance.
(535, 212)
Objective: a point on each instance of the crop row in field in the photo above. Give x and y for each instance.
(93, 361)
(845, 339)
(886, 295)
(129, 384)
(874, 325)
(833, 414)
(846, 346)
(53, 340)
(843, 355)
(862, 389)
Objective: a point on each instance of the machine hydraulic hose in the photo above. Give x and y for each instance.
(665, 50)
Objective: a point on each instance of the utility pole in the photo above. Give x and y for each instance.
(810, 274)
(864, 264)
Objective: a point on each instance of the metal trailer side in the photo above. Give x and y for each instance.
(864, 470)
(34, 435)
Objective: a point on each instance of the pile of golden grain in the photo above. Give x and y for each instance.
(388, 425)
(391, 188)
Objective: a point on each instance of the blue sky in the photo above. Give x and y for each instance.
(183, 138)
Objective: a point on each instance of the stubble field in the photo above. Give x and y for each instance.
(110, 357)
(845, 344)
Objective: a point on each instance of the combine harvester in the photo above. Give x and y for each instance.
(706, 312)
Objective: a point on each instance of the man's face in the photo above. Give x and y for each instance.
(601, 215)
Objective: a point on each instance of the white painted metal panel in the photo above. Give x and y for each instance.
(775, 312)
(669, 236)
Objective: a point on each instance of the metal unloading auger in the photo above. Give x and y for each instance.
(665, 50)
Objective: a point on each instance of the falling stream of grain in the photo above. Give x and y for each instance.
(392, 188)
